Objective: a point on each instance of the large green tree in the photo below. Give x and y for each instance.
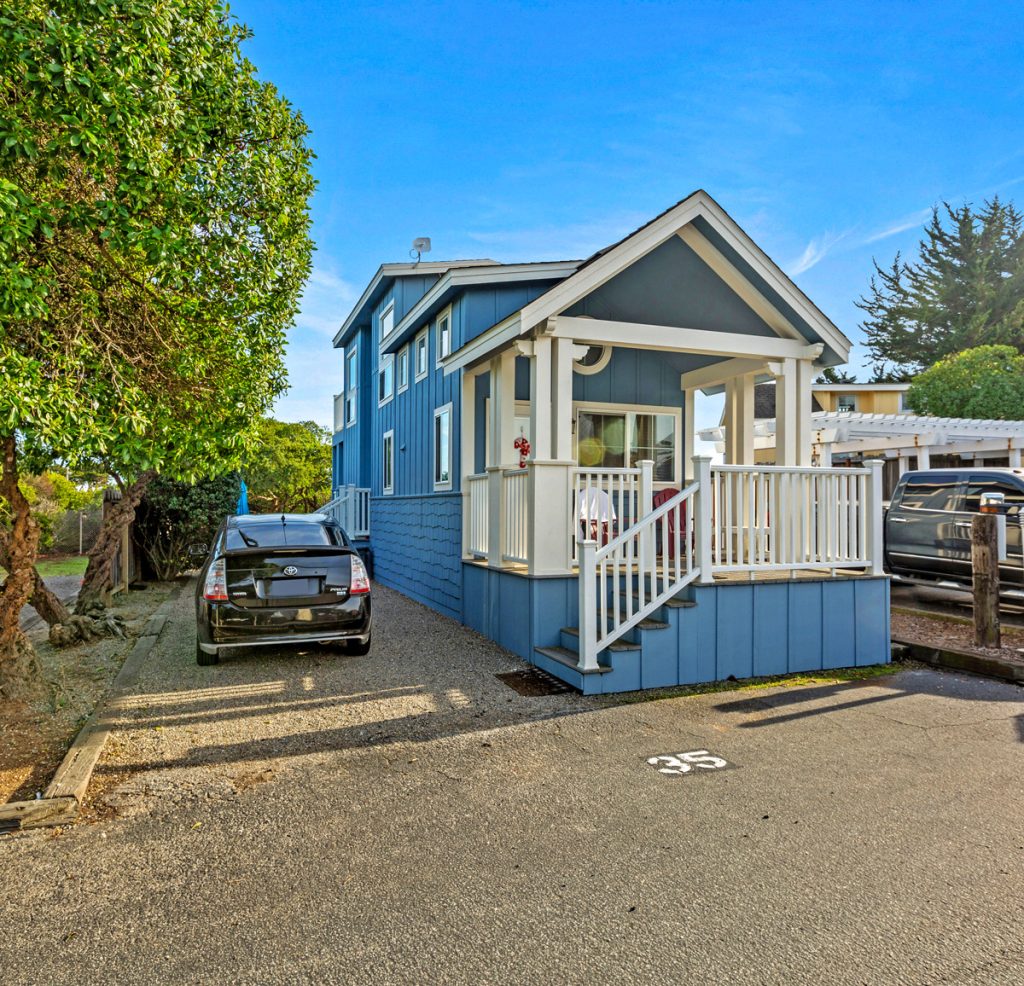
(153, 246)
(965, 289)
(984, 382)
(289, 469)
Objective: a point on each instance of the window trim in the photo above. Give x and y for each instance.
(445, 314)
(438, 411)
(403, 356)
(351, 387)
(388, 360)
(424, 335)
(603, 361)
(599, 407)
(388, 439)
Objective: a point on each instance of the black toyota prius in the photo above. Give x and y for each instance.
(273, 579)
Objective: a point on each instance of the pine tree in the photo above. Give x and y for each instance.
(966, 289)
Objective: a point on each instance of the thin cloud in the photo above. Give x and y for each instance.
(899, 226)
(816, 251)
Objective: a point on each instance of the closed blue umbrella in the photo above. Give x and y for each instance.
(243, 497)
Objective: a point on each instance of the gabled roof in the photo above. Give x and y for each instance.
(701, 210)
(382, 280)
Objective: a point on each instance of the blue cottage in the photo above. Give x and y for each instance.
(515, 444)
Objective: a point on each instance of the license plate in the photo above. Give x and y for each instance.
(290, 588)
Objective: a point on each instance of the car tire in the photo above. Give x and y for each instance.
(206, 659)
(358, 649)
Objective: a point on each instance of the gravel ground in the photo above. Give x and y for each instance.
(404, 818)
(935, 631)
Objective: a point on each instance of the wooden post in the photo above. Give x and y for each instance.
(985, 564)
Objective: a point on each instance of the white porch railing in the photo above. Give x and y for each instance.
(627, 579)
(771, 518)
(514, 498)
(603, 503)
(351, 509)
(476, 515)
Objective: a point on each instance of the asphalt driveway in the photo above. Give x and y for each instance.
(407, 818)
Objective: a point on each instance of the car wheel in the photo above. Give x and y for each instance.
(206, 659)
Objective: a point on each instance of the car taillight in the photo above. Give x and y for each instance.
(216, 588)
(360, 580)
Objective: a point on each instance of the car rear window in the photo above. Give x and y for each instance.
(929, 494)
(282, 535)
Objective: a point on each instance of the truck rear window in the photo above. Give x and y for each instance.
(929, 494)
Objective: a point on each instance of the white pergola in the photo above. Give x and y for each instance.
(893, 436)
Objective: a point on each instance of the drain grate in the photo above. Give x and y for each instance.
(534, 681)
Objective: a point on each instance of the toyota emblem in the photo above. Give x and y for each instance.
(291, 570)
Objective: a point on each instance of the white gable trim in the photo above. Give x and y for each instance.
(633, 248)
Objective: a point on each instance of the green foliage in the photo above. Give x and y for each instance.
(174, 514)
(153, 233)
(50, 496)
(831, 375)
(984, 382)
(965, 290)
(289, 470)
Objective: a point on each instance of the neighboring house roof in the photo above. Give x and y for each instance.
(764, 401)
(860, 388)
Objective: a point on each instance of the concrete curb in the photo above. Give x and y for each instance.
(955, 660)
(61, 800)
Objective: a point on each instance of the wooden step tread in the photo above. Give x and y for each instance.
(619, 645)
(570, 659)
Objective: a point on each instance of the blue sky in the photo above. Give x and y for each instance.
(534, 131)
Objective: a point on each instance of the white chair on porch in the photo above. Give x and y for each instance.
(596, 514)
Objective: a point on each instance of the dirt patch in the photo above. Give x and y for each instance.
(36, 732)
(533, 681)
(949, 634)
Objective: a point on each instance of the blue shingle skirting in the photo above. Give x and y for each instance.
(417, 548)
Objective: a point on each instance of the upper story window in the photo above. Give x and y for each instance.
(402, 369)
(846, 403)
(444, 334)
(351, 384)
(443, 448)
(386, 379)
(387, 321)
(420, 354)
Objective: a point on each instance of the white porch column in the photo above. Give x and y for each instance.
(825, 455)
(468, 456)
(742, 406)
(924, 458)
(561, 398)
(904, 462)
(550, 526)
(702, 519)
(503, 408)
(540, 398)
(874, 517)
(1015, 458)
(729, 420)
(689, 433)
(793, 412)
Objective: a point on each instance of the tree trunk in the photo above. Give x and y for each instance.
(45, 602)
(99, 572)
(23, 543)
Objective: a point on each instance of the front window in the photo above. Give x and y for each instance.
(617, 439)
(846, 403)
(443, 447)
(386, 379)
(444, 335)
(1013, 497)
(388, 462)
(351, 382)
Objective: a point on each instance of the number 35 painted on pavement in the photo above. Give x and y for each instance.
(684, 763)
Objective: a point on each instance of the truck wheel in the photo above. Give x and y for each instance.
(206, 659)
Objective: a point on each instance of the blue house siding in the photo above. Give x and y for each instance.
(417, 548)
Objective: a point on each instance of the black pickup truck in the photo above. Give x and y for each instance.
(928, 525)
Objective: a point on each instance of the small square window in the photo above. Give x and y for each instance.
(421, 358)
(388, 462)
(402, 370)
(444, 335)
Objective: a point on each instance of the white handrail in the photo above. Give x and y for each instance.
(351, 509)
(657, 552)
